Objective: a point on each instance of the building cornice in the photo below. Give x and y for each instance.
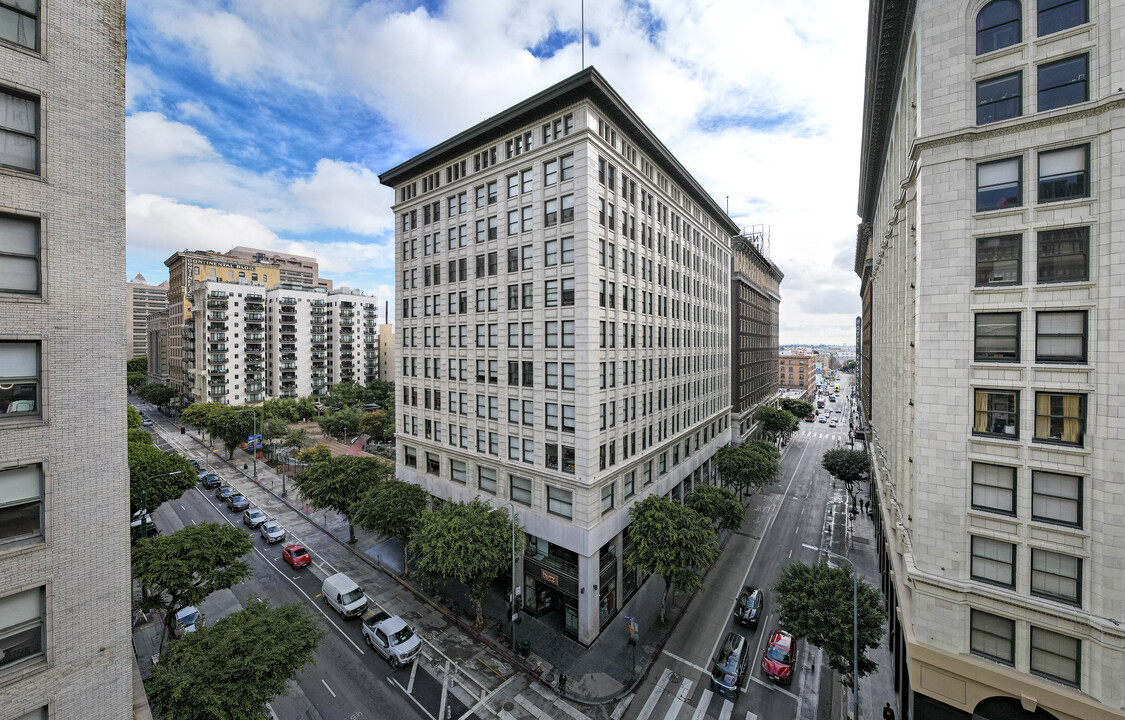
(587, 85)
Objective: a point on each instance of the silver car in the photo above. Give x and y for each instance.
(254, 517)
(272, 531)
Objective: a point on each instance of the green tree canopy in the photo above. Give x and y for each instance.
(376, 424)
(393, 508)
(306, 407)
(775, 423)
(335, 424)
(186, 566)
(298, 438)
(816, 604)
(348, 393)
(283, 408)
(752, 465)
(232, 425)
(467, 542)
(155, 393)
(382, 393)
(718, 504)
(146, 461)
(137, 364)
(672, 541)
(197, 415)
(231, 669)
(274, 428)
(132, 417)
(848, 466)
(138, 435)
(338, 483)
(317, 453)
(135, 379)
(799, 408)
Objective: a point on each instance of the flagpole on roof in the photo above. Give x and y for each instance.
(583, 35)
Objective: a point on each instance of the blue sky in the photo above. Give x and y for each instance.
(266, 122)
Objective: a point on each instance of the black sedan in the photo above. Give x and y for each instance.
(224, 492)
(237, 502)
(211, 481)
(748, 609)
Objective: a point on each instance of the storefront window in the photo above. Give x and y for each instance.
(607, 604)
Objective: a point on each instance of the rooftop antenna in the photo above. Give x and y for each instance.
(583, 35)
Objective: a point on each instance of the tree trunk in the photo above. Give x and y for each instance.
(478, 598)
(663, 600)
(351, 532)
(405, 566)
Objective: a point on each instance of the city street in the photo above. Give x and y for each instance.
(800, 511)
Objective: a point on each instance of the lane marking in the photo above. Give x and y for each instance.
(412, 698)
(654, 696)
(678, 702)
(685, 662)
(728, 708)
(771, 686)
(483, 700)
(701, 708)
(327, 688)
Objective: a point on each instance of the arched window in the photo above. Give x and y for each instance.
(998, 25)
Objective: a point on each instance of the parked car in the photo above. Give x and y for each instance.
(186, 620)
(729, 666)
(254, 517)
(225, 491)
(391, 637)
(272, 531)
(342, 593)
(196, 464)
(237, 502)
(211, 481)
(145, 422)
(780, 657)
(296, 555)
(748, 609)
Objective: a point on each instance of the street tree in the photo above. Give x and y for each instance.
(306, 408)
(184, 567)
(198, 415)
(775, 423)
(672, 541)
(156, 394)
(393, 508)
(232, 425)
(231, 669)
(382, 394)
(337, 423)
(348, 393)
(799, 408)
(750, 466)
(273, 428)
(375, 424)
(468, 542)
(138, 435)
(338, 483)
(146, 461)
(132, 417)
(816, 604)
(135, 379)
(719, 504)
(317, 453)
(850, 467)
(297, 438)
(137, 364)
(283, 408)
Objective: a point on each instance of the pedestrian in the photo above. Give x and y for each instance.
(562, 683)
(888, 713)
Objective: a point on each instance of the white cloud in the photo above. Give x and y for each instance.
(141, 83)
(347, 196)
(164, 225)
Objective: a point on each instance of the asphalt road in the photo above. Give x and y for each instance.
(802, 509)
(348, 680)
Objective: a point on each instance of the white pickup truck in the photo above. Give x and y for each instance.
(391, 637)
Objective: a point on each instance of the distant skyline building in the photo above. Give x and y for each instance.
(755, 314)
(141, 300)
(295, 269)
(991, 278)
(564, 333)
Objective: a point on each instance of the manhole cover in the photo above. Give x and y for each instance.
(509, 706)
(675, 678)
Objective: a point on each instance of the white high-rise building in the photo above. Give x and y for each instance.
(990, 350)
(563, 341)
(65, 636)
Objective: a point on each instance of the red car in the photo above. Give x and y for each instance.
(779, 657)
(296, 555)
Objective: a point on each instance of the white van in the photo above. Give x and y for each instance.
(341, 592)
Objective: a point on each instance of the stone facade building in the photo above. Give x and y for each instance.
(755, 316)
(141, 300)
(564, 336)
(991, 282)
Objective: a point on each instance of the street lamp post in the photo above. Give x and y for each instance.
(345, 434)
(855, 631)
(253, 439)
(515, 605)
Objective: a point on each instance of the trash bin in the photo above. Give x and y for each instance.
(183, 430)
(525, 648)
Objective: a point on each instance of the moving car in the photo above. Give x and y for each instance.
(391, 637)
(296, 555)
(186, 620)
(254, 517)
(225, 491)
(211, 481)
(832, 422)
(145, 422)
(730, 664)
(748, 609)
(272, 531)
(824, 418)
(811, 418)
(341, 593)
(237, 502)
(780, 657)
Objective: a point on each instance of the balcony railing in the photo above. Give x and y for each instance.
(217, 358)
(256, 397)
(214, 369)
(216, 316)
(216, 294)
(218, 304)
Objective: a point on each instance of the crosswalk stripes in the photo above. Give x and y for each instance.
(682, 701)
(654, 696)
(683, 694)
(701, 709)
(728, 708)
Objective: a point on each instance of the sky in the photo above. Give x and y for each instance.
(266, 123)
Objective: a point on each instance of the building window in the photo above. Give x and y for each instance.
(1055, 656)
(457, 471)
(1056, 576)
(21, 503)
(1063, 83)
(996, 412)
(994, 488)
(486, 479)
(22, 628)
(1060, 418)
(998, 260)
(1063, 255)
(992, 636)
(629, 484)
(998, 25)
(19, 379)
(1060, 337)
(1055, 15)
(520, 489)
(994, 561)
(567, 461)
(607, 498)
(409, 456)
(1062, 174)
(19, 22)
(1056, 498)
(997, 337)
(568, 333)
(566, 167)
(568, 376)
(433, 465)
(19, 254)
(560, 502)
(567, 209)
(999, 98)
(999, 184)
(19, 131)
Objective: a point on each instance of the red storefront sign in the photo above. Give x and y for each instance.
(549, 577)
